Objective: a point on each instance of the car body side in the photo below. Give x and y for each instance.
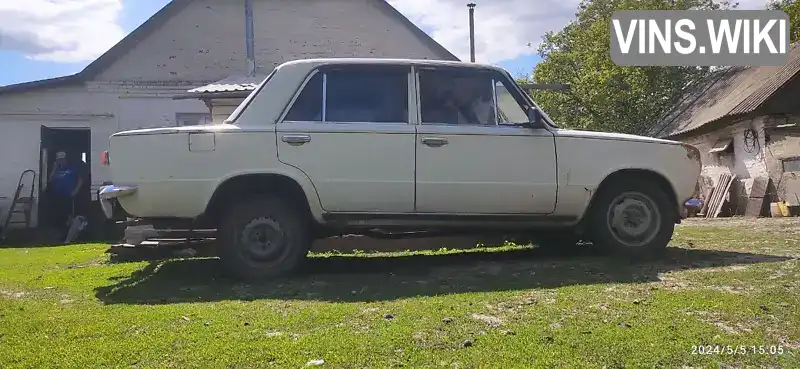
(177, 170)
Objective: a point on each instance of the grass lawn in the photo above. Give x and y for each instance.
(723, 283)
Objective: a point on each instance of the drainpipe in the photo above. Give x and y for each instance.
(471, 7)
(250, 37)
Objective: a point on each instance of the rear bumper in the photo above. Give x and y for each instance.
(108, 193)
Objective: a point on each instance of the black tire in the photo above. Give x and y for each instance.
(632, 217)
(281, 250)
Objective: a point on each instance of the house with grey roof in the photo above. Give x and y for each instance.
(746, 122)
(186, 45)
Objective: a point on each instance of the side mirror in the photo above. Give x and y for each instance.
(535, 118)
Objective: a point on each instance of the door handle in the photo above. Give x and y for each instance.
(296, 140)
(434, 141)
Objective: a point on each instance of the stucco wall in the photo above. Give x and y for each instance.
(745, 163)
(784, 143)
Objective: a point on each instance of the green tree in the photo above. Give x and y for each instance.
(602, 95)
(792, 9)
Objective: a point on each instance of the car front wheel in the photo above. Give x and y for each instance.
(632, 217)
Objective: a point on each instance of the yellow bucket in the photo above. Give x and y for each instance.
(779, 209)
(784, 208)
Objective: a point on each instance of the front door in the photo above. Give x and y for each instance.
(349, 131)
(469, 159)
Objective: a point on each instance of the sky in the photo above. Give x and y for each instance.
(51, 38)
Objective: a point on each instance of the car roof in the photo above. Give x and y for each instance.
(311, 63)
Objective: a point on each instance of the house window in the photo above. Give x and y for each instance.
(192, 119)
(722, 147)
(791, 165)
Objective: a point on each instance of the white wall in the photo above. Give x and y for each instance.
(745, 165)
(202, 44)
(221, 109)
(103, 110)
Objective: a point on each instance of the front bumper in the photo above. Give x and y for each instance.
(107, 193)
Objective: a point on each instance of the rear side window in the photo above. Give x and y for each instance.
(354, 94)
(308, 106)
(367, 94)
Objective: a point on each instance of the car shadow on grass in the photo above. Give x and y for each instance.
(382, 278)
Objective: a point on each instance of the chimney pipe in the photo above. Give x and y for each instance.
(250, 37)
(471, 7)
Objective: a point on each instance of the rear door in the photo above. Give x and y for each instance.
(349, 131)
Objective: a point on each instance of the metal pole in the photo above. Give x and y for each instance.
(471, 7)
(249, 37)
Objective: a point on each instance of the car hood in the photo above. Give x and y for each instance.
(610, 136)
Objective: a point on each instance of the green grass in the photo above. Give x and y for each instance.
(718, 284)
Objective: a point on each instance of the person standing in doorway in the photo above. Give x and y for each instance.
(64, 186)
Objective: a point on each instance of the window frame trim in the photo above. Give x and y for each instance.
(494, 102)
(323, 116)
(493, 74)
(324, 110)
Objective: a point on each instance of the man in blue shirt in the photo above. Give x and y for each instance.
(66, 181)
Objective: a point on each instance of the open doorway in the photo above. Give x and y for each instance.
(76, 143)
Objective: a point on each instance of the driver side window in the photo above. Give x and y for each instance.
(509, 110)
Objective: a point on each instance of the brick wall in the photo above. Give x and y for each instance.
(206, 40)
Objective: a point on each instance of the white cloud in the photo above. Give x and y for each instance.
(81, 30)
(60, 30)
(504, 29)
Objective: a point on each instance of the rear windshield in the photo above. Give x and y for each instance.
(239, 109)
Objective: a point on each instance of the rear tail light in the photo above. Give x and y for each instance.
(105, 159)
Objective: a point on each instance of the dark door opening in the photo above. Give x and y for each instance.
(76, 143)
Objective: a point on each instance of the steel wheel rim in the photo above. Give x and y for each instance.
(633, 219)
(263, 240)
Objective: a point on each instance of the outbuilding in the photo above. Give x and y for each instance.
(187, 44)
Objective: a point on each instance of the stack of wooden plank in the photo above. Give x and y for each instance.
(756, 205)
(713, 205)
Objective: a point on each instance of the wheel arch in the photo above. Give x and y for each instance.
(299, 190)
(641, 174)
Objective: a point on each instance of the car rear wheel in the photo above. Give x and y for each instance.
(633, 217)
(263, 237)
